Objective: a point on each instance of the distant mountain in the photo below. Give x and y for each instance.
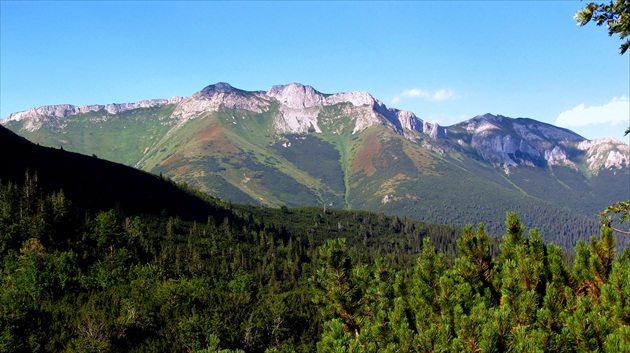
(296, 146)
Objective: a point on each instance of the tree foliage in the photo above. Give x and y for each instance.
(615, 15)
(609, 215)
(525, 300)
(74, 280)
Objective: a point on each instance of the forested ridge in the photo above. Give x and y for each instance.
(259, 279)
(79, 280)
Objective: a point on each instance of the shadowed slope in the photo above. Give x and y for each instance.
(97, 184)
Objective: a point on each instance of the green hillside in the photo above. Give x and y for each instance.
(124, 137)
(99, 257)
(95, 184)
(237, 155)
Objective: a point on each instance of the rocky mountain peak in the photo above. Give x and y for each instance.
(300, 106)
(491, 118)
(220, 87)
(296, 96)
(355, 98)
(219, 96)
(605, 153)
(524, 127)
(497, 139)
(511, 142)
(35, 117)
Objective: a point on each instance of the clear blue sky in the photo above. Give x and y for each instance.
(445, 61)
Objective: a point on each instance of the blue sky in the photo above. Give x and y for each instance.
(445, 61)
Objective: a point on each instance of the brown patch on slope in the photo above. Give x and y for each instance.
(181, 170)
(171, 161)
(364, 159)
(213, 138)
(209, 140)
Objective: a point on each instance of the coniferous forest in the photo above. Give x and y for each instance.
(99, 257)
(256, 279)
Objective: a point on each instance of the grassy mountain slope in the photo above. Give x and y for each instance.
(94, 183)
(428, 186)
(238, 155)
(122, 137)
(77, 276)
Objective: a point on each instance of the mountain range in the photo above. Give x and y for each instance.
(294, 146)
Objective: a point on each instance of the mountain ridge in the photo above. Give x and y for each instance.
(301, 104)
(293, 145)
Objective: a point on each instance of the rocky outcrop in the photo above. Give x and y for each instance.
(217, 97)
(34, 118)
(606, 153)
(301, 105)
(557, 156)
(64, 110)
(500, 140)
(511, 142)
(117, 108)
(296, 96)
(299, 108)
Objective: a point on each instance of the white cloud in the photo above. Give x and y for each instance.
(416, 92)
(443, 95)
(616, 112)
(437, 96)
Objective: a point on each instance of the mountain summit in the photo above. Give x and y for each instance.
(497, 139)
(297, 146)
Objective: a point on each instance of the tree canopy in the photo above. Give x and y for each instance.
(73, 280)
(615, 15)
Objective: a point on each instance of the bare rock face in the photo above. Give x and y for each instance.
(64, 110)
(436, 131)
(606, 153)
(512, 142)
(301, 105)
(503, 141)
(117, 108)
(557, 156)
(220, 96)
(53, 111)
(36, 117)
(495, 148)
(296, 96)
(408, 120)
(355, 98)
